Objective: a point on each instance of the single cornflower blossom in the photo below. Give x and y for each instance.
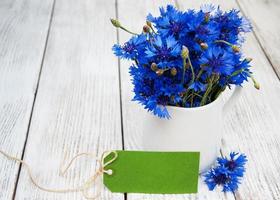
(217, 60)
(163, 49)
(130, 49)
(208, 8)
(227, 173)
(235, 163)
(171, 21)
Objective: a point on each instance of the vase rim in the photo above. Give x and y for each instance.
(213, 103)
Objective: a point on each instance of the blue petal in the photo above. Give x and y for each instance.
(170, 41)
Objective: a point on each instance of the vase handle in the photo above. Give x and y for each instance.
(231, 100)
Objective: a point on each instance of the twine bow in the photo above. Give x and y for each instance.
(84, 188)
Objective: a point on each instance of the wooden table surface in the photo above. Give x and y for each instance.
(62, 91)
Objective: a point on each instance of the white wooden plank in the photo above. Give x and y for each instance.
(265, 17)
(77, 107)
(252, 126)
(23, 31)
(132, 14)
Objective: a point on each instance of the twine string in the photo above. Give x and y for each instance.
(84, 189)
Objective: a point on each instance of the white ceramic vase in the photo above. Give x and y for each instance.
(189, 129)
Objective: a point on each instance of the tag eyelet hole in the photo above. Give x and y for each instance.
(109, 172)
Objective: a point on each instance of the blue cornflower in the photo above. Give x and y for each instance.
(235, 163)
(130, 49)
(163, 49)
(207, 8)
(232, 25)
(227, 173)
(152, 105)
(219, 176)
(201, 28)
(246, 25)
(158, 109)
(171, 21)
(242, 72)
(217, 60)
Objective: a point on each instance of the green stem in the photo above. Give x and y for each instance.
(188, 97)
(152, 29)
(123, 28)
(209, 88)
(185, 97)
(236, 72)
(214, 91)
(219, 92)
(193, 75)
(184, 70)
(192, 99)
(191, 95)
(199, 73)
(256, 84)
(233, 74)
(223, 41)
(197, 94)
(193, 78)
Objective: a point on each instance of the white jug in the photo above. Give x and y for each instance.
(189, 129)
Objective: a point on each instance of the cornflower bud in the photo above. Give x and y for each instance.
(149, 23)
(235, 48)
(207, 17)
(154, 67)
(116, 23)
(146, 29)
(248, 59)
(185, 52)
(160, 72)
(173, 71)
(204, 45)
(256, 84)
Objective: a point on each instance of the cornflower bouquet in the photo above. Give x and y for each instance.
(186, 59)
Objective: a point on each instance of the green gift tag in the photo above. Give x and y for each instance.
(152, 172)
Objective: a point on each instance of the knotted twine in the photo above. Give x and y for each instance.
(84, 188)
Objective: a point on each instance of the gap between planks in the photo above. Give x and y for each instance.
(259, 42)
(34, 99)
(120, 82)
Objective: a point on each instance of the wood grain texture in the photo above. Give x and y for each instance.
(23, 31)
(133, 113)
(265, 15)
(252, 126)
(77, 107)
